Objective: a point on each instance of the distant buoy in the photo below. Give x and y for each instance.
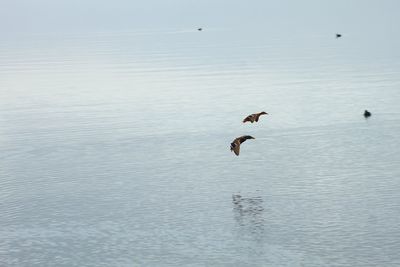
(367, 114)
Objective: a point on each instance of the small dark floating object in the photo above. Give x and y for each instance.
(367, 114)
(200, 29)
(338, 35)
(235, 145)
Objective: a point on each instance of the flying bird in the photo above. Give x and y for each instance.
(254, 117)
(338, 35)
(235, 145)
(367, 114)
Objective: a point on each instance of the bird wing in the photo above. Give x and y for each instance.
(236, 149)
(243, 138)
(248, 118)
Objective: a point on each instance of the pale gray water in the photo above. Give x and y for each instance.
(115, 149)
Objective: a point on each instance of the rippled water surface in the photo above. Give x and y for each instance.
(115, 150)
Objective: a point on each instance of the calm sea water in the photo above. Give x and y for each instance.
(115, 150)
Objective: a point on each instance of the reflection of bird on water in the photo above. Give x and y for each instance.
(248, 212)
(247, 206)
(236, 199)
(254, 117)
(235, 145)
(367, 114)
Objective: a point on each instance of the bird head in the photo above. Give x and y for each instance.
(263, 113)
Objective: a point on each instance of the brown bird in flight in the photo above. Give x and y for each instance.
(254, 117)
(235, 145)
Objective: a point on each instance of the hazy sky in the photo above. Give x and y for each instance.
(38, 16)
